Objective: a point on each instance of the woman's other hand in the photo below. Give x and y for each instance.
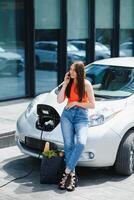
(71, 104)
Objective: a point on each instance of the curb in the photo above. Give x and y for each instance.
(7, 139)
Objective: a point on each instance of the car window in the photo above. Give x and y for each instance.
(79, 45)
(111, 81)
(129, 46)
(126, 46)
(52, 47)
(46, 46)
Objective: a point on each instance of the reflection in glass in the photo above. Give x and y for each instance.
(126, 31)
(46, 65)
(76, 51)
(12, 79)
(104, 25)
(47, 19)
(77, 30)
(126, 47)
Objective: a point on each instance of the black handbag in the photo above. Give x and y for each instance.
(51, 169)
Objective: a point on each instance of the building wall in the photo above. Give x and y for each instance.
(39, 39)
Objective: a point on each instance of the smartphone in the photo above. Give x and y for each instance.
(69, 74)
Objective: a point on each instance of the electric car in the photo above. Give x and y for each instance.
(111, 124)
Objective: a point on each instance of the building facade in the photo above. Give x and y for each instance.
(39, 39)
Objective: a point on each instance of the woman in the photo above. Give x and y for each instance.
(74, 120)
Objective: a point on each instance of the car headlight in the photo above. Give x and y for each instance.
(32, 106)
(100, 117)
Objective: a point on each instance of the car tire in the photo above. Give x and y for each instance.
(125, 157)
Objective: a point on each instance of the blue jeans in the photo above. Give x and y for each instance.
(74, 126)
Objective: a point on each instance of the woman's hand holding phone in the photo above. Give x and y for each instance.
(67, 78)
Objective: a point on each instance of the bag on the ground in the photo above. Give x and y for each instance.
(51, 169)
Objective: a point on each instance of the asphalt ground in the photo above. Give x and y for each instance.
(94, 184)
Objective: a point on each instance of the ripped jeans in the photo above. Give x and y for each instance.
(74, 126)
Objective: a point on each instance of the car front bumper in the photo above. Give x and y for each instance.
(100, 150)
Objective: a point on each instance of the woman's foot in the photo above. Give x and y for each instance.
(62, 183)
(71, 182)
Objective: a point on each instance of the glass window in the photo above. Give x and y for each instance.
(126, 28)
(77, 28)
(47, 21)
(12, 68)
(47, 14)
(104, 25)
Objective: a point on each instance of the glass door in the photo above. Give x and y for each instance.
(104, 28)
(46, 59)
(47, 25)
(127, 28)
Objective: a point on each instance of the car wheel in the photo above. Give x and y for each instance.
(125, 157)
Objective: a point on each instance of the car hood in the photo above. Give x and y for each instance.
(10, 55)
(113, 105)
(110, 104)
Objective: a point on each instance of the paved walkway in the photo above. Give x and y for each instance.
(96, 184)
(9, 113)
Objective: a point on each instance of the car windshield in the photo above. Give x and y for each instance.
(111, 81)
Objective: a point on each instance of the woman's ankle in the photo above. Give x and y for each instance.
(67, 171)
(72, 173)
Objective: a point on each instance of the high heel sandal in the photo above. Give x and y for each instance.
(62, 183)
(71, 182)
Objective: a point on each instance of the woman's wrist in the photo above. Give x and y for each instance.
(65, 84)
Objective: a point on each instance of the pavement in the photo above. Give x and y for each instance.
(9, 113)
(20, 179)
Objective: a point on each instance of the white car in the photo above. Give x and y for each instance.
(10, 62)
(127, 48)
(111, 129)
(101, 51)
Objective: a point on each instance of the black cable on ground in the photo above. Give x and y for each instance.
(41, 135)
(17, 178)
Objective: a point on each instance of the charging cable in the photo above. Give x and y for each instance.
(20, 177)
